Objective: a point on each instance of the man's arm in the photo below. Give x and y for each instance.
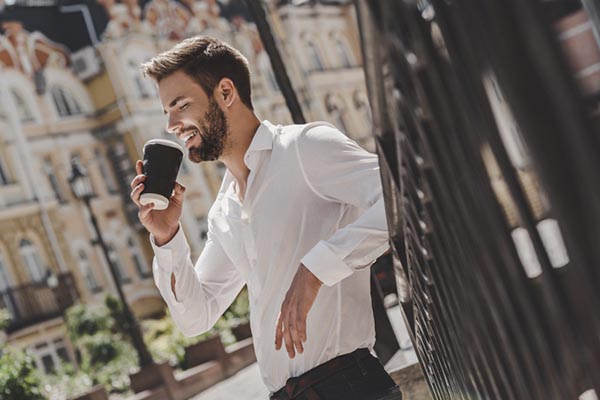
(196, 295)
(337, 170)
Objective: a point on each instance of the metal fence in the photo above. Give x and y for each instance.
(486, 125)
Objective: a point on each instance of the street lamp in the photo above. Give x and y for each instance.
(82, 189)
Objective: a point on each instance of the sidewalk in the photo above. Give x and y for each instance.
(246, 384)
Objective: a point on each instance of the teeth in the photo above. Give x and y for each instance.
(191, 135)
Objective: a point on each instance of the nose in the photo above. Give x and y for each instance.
(173, 124)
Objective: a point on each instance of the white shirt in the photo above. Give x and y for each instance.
(314, 197)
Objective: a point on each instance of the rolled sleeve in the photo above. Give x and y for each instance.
(326, 265)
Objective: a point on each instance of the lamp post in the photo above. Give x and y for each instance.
(82, 189)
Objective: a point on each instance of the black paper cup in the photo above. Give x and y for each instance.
(162, 159)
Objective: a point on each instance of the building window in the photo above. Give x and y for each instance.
(4, 282)
(362, 106)
(31, 259)
(64, 101)
(76, 157)
(343, 53)
(140, 84)
(335, 108)
(4, 178)
(315, 58)
(48, 355)
(49, 172)
(140, 264)
(119, 270)
(107, 175)
(5, 299)
(86, 271)
(23, 111)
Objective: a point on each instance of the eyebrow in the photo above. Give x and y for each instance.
(172, 104)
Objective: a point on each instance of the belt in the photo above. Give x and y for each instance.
(303, 384)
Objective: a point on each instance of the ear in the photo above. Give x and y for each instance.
(226, 93)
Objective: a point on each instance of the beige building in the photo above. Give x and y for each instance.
(91, 103)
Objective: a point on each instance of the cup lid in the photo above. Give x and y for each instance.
(164, 142)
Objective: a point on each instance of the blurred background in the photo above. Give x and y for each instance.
(80, 316)
(74, 114)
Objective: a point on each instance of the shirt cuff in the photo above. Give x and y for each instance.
(326, 265)
(166, 255)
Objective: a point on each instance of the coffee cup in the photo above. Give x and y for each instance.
(162, 159)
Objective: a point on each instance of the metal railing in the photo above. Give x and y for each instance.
(32, 303)
(491, 172)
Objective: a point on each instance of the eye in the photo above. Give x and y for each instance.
(183, 107)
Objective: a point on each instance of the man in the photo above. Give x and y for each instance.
(299, 218)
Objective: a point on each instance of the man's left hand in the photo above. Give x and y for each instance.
(291, 324)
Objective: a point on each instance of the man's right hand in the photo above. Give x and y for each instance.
(162, 224)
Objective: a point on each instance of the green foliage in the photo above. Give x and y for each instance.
(101, 349)
(85, 321)
(19, 378)
(105, 356)
(239, 311)
(66, 383)
(116, 312)
(167, 343)
(5, 318)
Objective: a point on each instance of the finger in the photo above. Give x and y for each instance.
(137, 180)
(296, 342)
(178, 192)
(139, 164)
(289, 343)
(301, 327)
(136, 193)
(278, 332)
(145, 211)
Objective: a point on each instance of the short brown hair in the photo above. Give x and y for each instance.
(206, 60)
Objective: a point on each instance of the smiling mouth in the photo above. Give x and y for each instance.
(189, 136)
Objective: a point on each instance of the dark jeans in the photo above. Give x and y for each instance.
(358, 379)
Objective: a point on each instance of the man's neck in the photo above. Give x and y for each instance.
(242, 131)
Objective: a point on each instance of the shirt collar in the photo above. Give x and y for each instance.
(262, 140)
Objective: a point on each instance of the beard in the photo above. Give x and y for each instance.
(213, 131)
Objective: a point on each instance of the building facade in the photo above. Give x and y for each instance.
(64, 97)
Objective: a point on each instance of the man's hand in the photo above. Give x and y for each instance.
(163, 224)
(291, 324)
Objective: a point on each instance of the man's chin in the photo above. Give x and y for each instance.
(196, 156)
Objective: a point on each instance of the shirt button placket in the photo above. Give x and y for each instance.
(249, 243)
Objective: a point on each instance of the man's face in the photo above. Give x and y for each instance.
(193, 117)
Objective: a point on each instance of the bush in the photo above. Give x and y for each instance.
(5, 318)
(105, 356)
(19, 378)
(84, 321)
(167, 343)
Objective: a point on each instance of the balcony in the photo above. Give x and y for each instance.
(38, 302)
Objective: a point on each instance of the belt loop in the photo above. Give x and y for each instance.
(357, 359)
